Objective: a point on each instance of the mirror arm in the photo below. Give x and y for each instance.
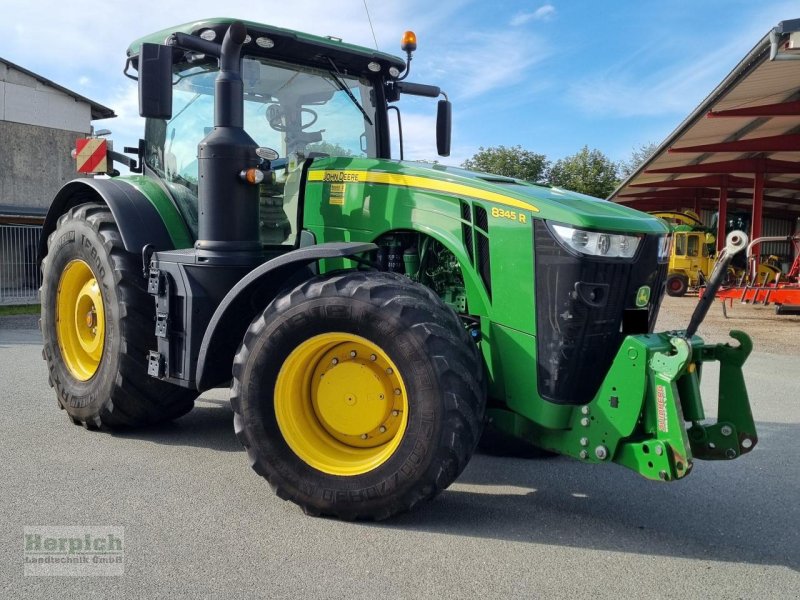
(194, 43)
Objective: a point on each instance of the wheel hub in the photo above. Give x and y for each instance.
(80, 320)
(341, 404)
(353, 397)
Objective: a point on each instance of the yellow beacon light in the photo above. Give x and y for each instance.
(409, 42)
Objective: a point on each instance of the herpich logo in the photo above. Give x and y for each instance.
(74, 551)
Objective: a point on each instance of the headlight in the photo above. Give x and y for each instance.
(664, 247)
(597, 243)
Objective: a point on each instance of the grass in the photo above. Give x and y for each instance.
(20, 309)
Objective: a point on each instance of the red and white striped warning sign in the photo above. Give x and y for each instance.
(91, 155)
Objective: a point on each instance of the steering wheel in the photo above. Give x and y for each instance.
(275, 116)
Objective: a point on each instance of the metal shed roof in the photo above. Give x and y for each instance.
(741, 142)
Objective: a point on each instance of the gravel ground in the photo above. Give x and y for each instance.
(771, 333)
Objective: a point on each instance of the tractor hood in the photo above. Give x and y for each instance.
(556, 204)
(550, 203)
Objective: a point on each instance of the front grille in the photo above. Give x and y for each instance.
(481, 219)
(581, 304)
(484, 261)
(466, 213)
(466, 231)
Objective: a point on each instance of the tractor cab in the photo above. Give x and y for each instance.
(291, 111)
(294, 111)
(304, 97)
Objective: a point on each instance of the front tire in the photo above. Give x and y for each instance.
(97, 326)
(677, 285)
(358, 395)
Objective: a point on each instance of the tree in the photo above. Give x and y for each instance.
(638, 157)
(510, 162)
(588, 172)
(328, 148)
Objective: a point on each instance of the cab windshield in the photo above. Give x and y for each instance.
(297, 111)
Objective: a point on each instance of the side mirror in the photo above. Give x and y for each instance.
(155, 81)
(444, 126)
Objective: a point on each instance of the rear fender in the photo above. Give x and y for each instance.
(139, 221)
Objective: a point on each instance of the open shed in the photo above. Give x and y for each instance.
(738, 151)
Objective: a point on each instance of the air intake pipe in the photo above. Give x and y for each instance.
(227, 205)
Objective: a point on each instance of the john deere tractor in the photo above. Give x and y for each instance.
(372, 317)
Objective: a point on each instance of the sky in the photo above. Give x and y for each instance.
(548, 76)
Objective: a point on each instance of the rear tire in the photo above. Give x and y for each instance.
(336, 446)
(97, 326)
(677, 285)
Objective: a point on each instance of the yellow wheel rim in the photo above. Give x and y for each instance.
(80, 320)
(341, 404)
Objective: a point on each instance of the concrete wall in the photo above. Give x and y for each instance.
(25, 99)
(34, 163)
(38, 128)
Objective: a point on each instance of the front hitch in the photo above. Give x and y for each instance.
(734, 433)
(639, 416)
(673, 394)
(661, 447)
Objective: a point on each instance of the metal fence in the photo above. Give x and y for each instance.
(20, 277)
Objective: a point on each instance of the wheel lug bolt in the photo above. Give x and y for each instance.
(352, 353)
(397, 391)
(382, 429)
(395, 413)
(335, 361)
(389, 371)
(373, 357)
(363, 436)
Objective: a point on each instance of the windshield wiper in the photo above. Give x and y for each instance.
(336, 76)
(188, 104)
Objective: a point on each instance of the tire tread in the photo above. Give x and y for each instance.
(135, 399)
(451, 351)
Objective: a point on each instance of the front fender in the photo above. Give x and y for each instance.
(251, 295)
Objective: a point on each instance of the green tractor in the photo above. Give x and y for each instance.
(374, 318)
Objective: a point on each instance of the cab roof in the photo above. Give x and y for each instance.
(289, 46)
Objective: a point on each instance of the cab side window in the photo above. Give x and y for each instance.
(694, 245)
(680, 244)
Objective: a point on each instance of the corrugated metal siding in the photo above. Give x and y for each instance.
(769, 227)
(773, 227)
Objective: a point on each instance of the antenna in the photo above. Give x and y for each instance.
(366, 8)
